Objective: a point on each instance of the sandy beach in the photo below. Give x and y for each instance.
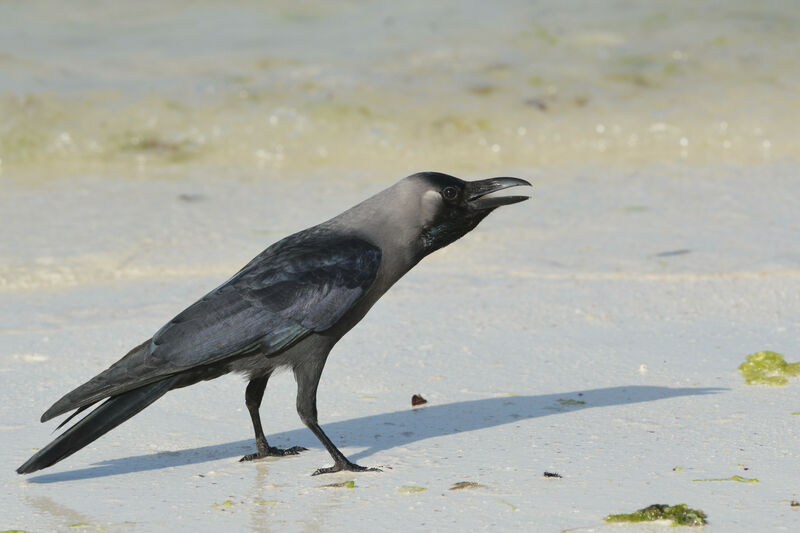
(545, 341)
(594, 331)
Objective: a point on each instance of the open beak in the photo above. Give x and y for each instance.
(478, 192)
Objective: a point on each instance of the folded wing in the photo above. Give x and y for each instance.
(302, 284)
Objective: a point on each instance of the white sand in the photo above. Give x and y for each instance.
(563, 298)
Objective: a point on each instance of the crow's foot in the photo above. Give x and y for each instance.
(351, 467)
(273, 452)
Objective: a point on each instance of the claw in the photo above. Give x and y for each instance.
(294, 450)
(351, 467)
(273, 452)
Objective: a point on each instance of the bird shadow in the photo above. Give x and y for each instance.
(388, 430)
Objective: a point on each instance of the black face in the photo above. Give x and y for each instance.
(464, 204)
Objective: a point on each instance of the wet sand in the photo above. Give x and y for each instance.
(594, 331)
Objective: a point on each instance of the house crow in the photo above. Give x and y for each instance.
(286, 308)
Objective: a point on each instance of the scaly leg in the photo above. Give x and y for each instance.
(252, 399)
(307, 376)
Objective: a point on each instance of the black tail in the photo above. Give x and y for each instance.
(103, 419)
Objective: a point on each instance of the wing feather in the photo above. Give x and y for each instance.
(302, 284)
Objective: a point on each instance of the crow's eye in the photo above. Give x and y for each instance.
(449, 193)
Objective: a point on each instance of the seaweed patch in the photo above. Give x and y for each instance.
(410, 489)
(466, 485)
(768, 368)
(679, 515)
(351, 484)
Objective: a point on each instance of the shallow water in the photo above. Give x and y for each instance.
(380, 86)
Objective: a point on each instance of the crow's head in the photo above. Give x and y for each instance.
(451, 208)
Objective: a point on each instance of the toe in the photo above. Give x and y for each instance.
(294, 450)
(327, 470)
(358, 468)
(351, 467)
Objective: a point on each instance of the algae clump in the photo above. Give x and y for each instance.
(466, 485)
(736, 477)
(679, 515)
(351, 484)
(768, 368)
(570, 402)
(410, 489)
(223, 505)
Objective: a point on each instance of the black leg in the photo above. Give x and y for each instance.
(307, 376)
(252, 399)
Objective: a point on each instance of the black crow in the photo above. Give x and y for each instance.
(286, 308)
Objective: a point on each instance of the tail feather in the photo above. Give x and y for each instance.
(100, 421)
(120, 377)
(73, 415)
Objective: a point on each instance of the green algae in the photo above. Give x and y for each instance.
(679, 515)
(466, 485)
(768, 368)
(223, 505)
(410, 489)
(510, 505)
(737, 477)
(570, 402)
(351, 484)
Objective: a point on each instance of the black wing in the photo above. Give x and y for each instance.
(302, 284)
